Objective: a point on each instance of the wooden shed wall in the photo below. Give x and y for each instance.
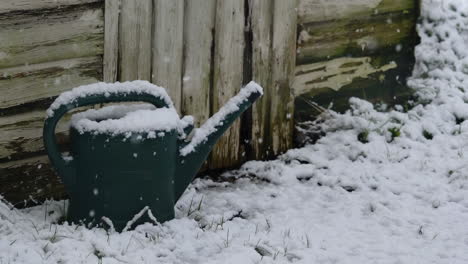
(202, 51)
(46, 47)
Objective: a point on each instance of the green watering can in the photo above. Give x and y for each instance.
(134, 164)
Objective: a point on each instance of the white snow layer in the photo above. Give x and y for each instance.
(124, 119)
(394, 199)
(200, 134)
(107, 89)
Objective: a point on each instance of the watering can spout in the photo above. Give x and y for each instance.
(193, 153)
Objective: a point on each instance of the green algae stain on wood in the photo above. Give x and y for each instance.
(318, 42)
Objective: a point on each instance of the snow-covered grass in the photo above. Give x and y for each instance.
(402, 197)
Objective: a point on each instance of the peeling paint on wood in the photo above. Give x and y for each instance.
(334, 74)
(353, 48)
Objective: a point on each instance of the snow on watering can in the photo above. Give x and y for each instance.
(131, 162)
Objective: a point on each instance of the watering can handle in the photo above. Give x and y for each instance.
(66, 168)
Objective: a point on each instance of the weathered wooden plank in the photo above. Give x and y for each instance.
(283, 63)
(168, 47)
(228, 63)
(21, 134)
(360, 37)
(23, 5)
(26, 182)
(135, 40)
(198, 40)
(261, 25)
(111, 40)
(38, 37)
(25, 84)
(321, 11)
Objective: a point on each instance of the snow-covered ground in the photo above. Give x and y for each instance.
(402, 197)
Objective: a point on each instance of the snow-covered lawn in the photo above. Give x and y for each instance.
(402, 197)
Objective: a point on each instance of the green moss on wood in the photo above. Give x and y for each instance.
(356, 37)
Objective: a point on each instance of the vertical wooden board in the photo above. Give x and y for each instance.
(283, 63)
(261, 25)
(111, 40)
(198, 39)
(135, 40)
(168, 47)
(228, 72)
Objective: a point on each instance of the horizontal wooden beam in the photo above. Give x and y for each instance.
(321, 11)
(38, 81)
(358, 37)
(58, 35)
(22, 134)
(23, 5)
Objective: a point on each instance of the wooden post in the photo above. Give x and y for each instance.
(261, 25)
(168, 47)
(111, 40)
(198, 41)
(227, 80)
(282, 68)
(135, 40)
